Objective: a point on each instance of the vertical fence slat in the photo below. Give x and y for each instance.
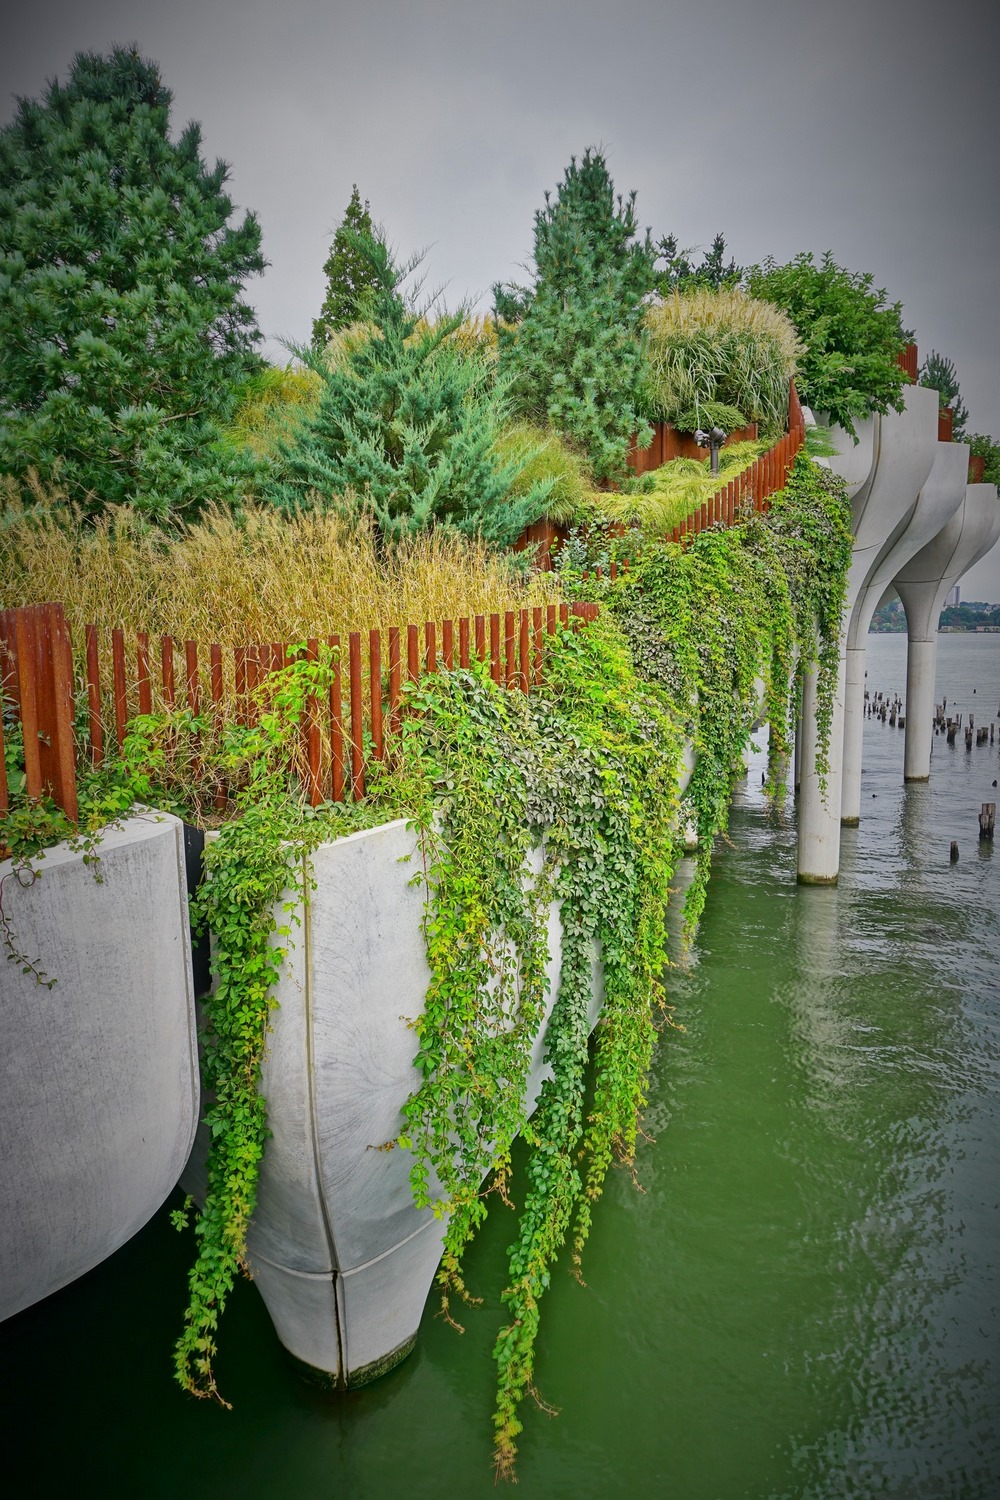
(495, 670)
(524, 651)
(357, 729)
(25, 655)
(480, 625)
(336, 721)
(551, 617)
(216, 689)
(536, 627)
(193, 682)
(118, 680)
(375, 691)
(167, 669)
(413, 652)
(463, 641)
(64, 747)
(448, 645)
(395, 693)
(430, 642)
(94, 696)
(142, 678)
(510, 647)
(240, 683)
(313, 748)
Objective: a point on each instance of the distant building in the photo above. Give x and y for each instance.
(955, 597)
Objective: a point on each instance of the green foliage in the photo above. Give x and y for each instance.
(657, 501)
(552, 469)
(708, 414)
(405, 428)
(572, 342)
(852, 335)
(581, 769)
(680, 274)
(939, 373)
(981, 445)
(720, 346)
(122, 327)
(350, 278)
(269, 404)
(707, 623)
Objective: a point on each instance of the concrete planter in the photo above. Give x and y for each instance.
(100, 1090)
(340, 1254)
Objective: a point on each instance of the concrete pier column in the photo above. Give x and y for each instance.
(819, 812)
(921, 663)
(854, 729)
(923, 585)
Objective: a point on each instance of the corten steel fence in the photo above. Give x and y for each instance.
(907, 360)
(342, 730)
(750, 490)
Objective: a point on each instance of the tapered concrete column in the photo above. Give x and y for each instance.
(923, 585)
(921, 663)
(819, 812)
(940, 497)
(854, 726)
(883, 488)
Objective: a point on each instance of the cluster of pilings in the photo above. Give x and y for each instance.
(919, 526)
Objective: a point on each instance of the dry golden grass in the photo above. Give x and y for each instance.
(264, 577)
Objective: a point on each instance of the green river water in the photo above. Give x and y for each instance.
(802, 1303)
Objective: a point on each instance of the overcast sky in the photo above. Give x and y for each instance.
(868, 127)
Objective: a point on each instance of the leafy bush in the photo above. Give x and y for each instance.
(709, 414)
(268, 405)
(549, 462)
(657, 501)
(981, 445)
(572, 343)
(404, 427)
(852, 336)
(939, 374)
(720, 346)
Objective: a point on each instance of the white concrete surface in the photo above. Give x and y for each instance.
(903, 446)
(939, 499)
(923, 585)
(342, 1257)
(100, 1091)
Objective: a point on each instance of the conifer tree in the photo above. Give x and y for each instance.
(122, 328)
(938, 372)
(575, 348)
(405, 426)
(349, 275)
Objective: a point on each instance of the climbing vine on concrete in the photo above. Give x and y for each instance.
(580, 771)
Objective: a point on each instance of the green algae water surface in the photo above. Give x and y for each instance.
(804, 1301)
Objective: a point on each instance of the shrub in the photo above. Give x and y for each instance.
(657, 501)
(268, 406)
(981, 445)
(939, 374)
(852, 336)
(404, 427)
(720, 346)
(709, 414)
(549, 463)
(572, 343)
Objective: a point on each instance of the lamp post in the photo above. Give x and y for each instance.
(713, 441)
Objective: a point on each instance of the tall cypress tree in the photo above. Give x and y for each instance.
(122, 326)
(572, 342)
(349, 275)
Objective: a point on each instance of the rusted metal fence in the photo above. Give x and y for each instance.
(750, 490)
(906, 359)
(343, 730)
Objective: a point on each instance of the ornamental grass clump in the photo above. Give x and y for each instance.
(257, 576)
(720, 346)
(658, 501)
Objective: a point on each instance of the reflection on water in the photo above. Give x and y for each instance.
(801, 1303)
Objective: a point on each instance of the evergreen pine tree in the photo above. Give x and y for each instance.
(940, 375)
(405, 426)
(681, 274)
(122, 327)
(575, 350)
(349, 275)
